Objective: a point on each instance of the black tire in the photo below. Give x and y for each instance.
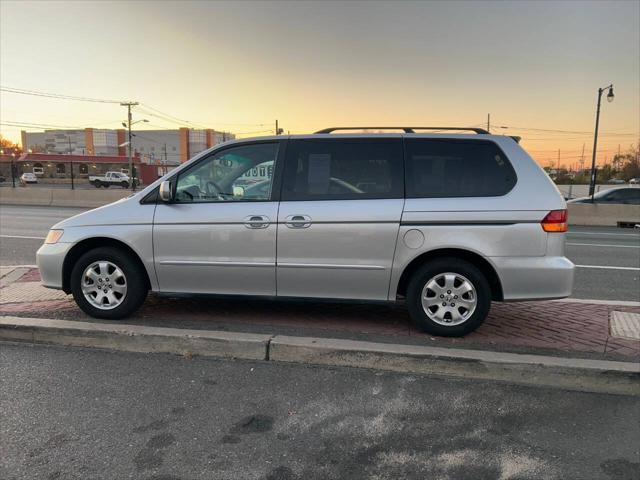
(106, 185)
(136, 281)
(124, 185)
(97, 184)
(431, 270)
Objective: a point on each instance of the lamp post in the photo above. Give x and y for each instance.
(13, 174)
(127, 125)
(592, 181)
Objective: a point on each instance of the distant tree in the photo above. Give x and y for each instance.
(630, 164)
(9, 147)
(605, 173)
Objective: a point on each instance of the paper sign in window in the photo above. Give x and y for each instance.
(319, 173)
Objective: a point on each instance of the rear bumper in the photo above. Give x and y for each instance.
(534, 278)
(50, 259)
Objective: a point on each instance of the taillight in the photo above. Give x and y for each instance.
(555, 221)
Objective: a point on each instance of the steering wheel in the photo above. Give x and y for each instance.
(213, 189)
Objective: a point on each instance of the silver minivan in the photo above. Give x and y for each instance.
(444, 222)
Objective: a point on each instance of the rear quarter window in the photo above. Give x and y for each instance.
(437, 168)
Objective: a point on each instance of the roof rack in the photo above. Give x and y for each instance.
(480, 131)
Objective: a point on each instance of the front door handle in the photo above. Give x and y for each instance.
(298, 221)
(256, 221)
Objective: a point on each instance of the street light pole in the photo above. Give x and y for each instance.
(129, 105)
(13, 172)
(592, 181)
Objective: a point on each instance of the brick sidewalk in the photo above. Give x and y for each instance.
(560, 327)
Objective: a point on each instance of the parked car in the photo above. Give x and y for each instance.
(616, 181)
(446, 223)
(28, 178)
(2, 179)
(626, 195)
(110, 178)
(634, 181)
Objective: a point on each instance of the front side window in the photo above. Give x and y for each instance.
(226, 176)
(438, 168)
(343, 169)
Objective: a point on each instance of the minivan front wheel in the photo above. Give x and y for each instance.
(448, 297)
(107, 283)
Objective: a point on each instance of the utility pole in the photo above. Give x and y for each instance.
(71, 162)
(164, 162)
(558, 162)
(582, 158)
(131, 172)
(277, 127)
(489, 122)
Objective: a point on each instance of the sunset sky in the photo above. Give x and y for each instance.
(535, 66)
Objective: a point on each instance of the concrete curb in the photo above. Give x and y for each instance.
(569, 373)
(135, 338)
(572, 373)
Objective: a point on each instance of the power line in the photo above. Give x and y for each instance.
(58, 96)
(250, 133)
(573, 132)
(144, 105)
(165, 116)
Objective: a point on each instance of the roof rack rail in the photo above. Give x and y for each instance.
(480, 131)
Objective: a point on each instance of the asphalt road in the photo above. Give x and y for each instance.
(608, 259)
(82, 414)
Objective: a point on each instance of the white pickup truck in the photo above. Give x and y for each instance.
(110, 178)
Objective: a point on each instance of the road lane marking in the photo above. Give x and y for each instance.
(609, 267)
(602, 245)
(603, 233)
(22, 236)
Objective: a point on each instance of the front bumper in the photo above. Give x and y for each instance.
(534, 278)
(50, 259)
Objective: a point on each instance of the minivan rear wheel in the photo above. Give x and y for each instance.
(448, 297)
(108, 283)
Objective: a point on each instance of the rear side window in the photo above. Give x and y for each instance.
(438, 168)
(343, 169)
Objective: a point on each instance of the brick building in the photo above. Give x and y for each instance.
(167, 147)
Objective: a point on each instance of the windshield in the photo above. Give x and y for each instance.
(602, 194)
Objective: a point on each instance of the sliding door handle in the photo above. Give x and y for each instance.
(298, 221)
(256, 221)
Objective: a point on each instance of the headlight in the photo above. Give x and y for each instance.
(53, 236)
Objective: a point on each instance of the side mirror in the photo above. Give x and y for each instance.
(165, 191)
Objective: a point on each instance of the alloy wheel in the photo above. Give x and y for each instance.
(104, 285)
(449, 299)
